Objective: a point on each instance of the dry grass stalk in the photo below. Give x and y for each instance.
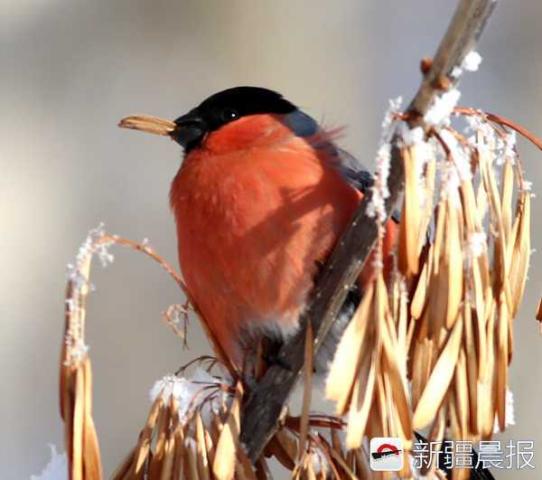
(376, 398)
(75, 369)
(190, 447)
(441, 322)
(176, 441)
(76, 375)
(462, 256)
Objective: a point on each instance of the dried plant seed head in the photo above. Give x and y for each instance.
(428, 346)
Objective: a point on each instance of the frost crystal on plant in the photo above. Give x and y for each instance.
(510, 146)
(509, 413)
(94, 244)
(424, 151)
(472, 61)
(191, 393)
(320, 463)
(526, 186)
(484, 137)
(78, 349)
(456, 72)
(442, 107)
(377, 206)
(476, 246)
(412, 136)
(460, 156)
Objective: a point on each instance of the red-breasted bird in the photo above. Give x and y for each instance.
(260, 200)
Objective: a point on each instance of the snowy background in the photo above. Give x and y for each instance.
(72, 69)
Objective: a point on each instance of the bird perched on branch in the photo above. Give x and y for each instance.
(260, 200)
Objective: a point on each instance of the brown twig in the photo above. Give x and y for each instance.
(267, 400)
(149, 251)
(503, 121)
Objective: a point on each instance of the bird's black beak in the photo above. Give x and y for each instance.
(187, 130)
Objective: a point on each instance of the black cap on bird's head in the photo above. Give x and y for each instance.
(219, 109)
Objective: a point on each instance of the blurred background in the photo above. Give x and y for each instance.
(72, 69)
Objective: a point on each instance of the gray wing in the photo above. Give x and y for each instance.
(353, 170)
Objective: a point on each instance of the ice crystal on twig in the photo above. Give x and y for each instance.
(510, 416)
(377, 206)
(472, 61)
(442, 107)
(526, 186)
(412, 136)
(201, 391)
(94, 243)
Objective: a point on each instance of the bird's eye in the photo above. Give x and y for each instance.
(229, 114)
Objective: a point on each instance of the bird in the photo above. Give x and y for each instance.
(260, 200)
